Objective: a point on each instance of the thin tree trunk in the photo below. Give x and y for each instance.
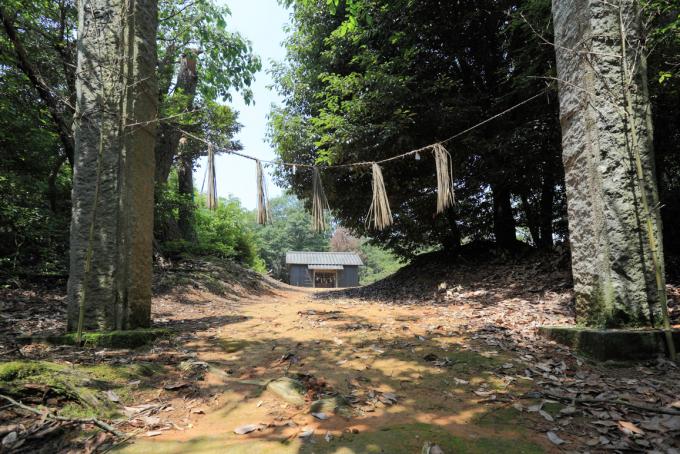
(532, 220)
(185, 179)
(451, 242)
(168, 134)
(167, 144)
(52, 183)
(503, 219)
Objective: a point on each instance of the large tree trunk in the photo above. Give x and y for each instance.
(606, 133)
(112, 222)
(503, 219)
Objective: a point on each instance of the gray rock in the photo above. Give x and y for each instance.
(289, 390)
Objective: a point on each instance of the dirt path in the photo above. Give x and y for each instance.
(436, 355)
(397, 377)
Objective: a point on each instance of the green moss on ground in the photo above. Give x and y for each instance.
(401, 439)
(232, 345)
(112, 339)
(82, 387)
(409, 438)
(499, 417)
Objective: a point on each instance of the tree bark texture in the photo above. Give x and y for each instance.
(503, 219)
(614, 276)
(114, 163)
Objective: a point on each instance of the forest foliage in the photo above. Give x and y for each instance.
(366, 80)
(363, 80)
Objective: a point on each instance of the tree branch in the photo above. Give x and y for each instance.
(101, 424)
(44, 91)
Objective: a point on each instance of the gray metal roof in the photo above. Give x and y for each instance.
(323, 258)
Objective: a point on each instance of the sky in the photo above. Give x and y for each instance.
(261, 22)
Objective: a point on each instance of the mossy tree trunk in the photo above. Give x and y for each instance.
(112, 223)
(605, 117)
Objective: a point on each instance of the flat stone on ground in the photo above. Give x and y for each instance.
(288, 389)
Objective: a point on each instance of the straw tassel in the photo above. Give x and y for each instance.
(212, 181)
(263, 212)
(379, 213)
(445, 196)
(319, 202)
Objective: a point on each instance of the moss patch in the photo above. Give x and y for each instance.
(81, 387)
(498, 417)
(108, 339)
(232, 345)
(402, 439)
(409, 438)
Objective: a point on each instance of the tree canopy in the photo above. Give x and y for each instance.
(366, 80)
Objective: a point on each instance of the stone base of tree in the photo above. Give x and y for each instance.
(612, 344)
(107, 339)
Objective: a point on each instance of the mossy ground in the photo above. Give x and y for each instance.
(398, 439)
(81, 387)
(112, 339)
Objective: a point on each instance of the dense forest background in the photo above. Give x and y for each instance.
(363, 80)
(366, 80)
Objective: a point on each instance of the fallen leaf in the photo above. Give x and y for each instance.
(568, 410)
(534, 408)
(175, 386)
(242, 430)
(546, 415)
(483, 393)
(388, 398)
(430, 448)
(671, 422)
(306, 433)
(552, 436)
(629, 428)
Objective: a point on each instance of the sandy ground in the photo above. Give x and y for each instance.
(464, 372)
(342, 347)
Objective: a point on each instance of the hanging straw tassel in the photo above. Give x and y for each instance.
(445, 197)
(263, 212)
(379, 213)
(319, 202)
(212, 181)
